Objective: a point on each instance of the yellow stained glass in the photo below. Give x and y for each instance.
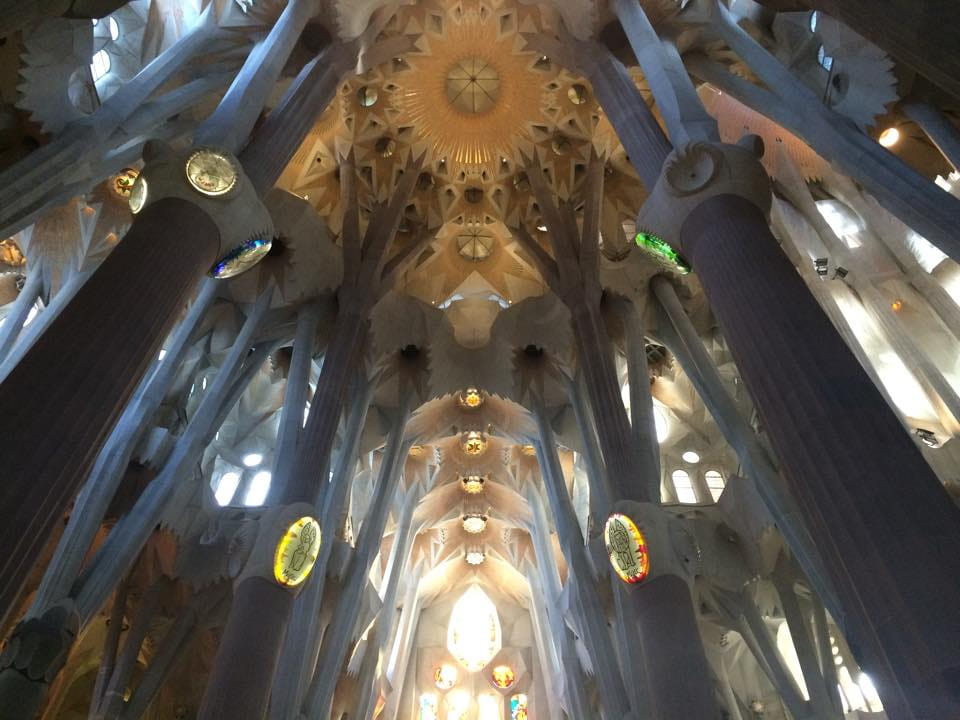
(627, 548)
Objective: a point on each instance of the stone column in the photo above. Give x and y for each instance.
(112, 462)
(123, 545)
(364, 259)
(642, 423)
(302, 644)
(942, 133)
(319, 698)
(592, 621)
(573, 274)
(17, 315)
(114, 328)
(230, 124)
(383, 625)
(911, 197)
(674, 92)
(600, 494)
(891, 547)
(699, 367)
(252, 638)
(295, 396)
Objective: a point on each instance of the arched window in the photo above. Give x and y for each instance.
(258, 489)
(227, 487)
(100, 65)
(826, 61)
(114, 28)
(814, 20)
(684, 487)
(715, 483)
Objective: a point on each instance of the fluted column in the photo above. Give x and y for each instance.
(113, 328)
(699, 367)
(891, 547)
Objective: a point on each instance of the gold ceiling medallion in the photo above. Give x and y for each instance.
(471, 398)
(474, 522)
(474, 443)
(472, 484)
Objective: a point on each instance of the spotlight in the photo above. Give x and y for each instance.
(821, 265)
(928, 438)
(889, 137)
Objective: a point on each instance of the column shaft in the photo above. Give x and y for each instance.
(61, 400)
(943, 133)
(252, 638)
(699, 367)
(887, 531)
(302, 643)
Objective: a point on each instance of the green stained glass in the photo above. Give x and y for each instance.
(659, 246)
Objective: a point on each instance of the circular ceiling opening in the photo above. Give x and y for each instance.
(473, 86)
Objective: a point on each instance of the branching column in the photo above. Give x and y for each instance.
(342, 628)
(364, 260)
(592, 622)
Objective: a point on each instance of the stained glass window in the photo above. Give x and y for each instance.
(429, 707)
(473, 636)
(627, 548)
(503, 677)
(519, 709)
(458, 705)
(445, 676)
(488, 707)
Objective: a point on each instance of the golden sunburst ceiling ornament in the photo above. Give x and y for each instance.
(473, 88)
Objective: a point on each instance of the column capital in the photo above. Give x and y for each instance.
(212, 179)
(698, 171)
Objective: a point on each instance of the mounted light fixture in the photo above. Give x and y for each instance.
(474, 523)
(471, 398)
(472, 484)
(474, 443)
(889, 137)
